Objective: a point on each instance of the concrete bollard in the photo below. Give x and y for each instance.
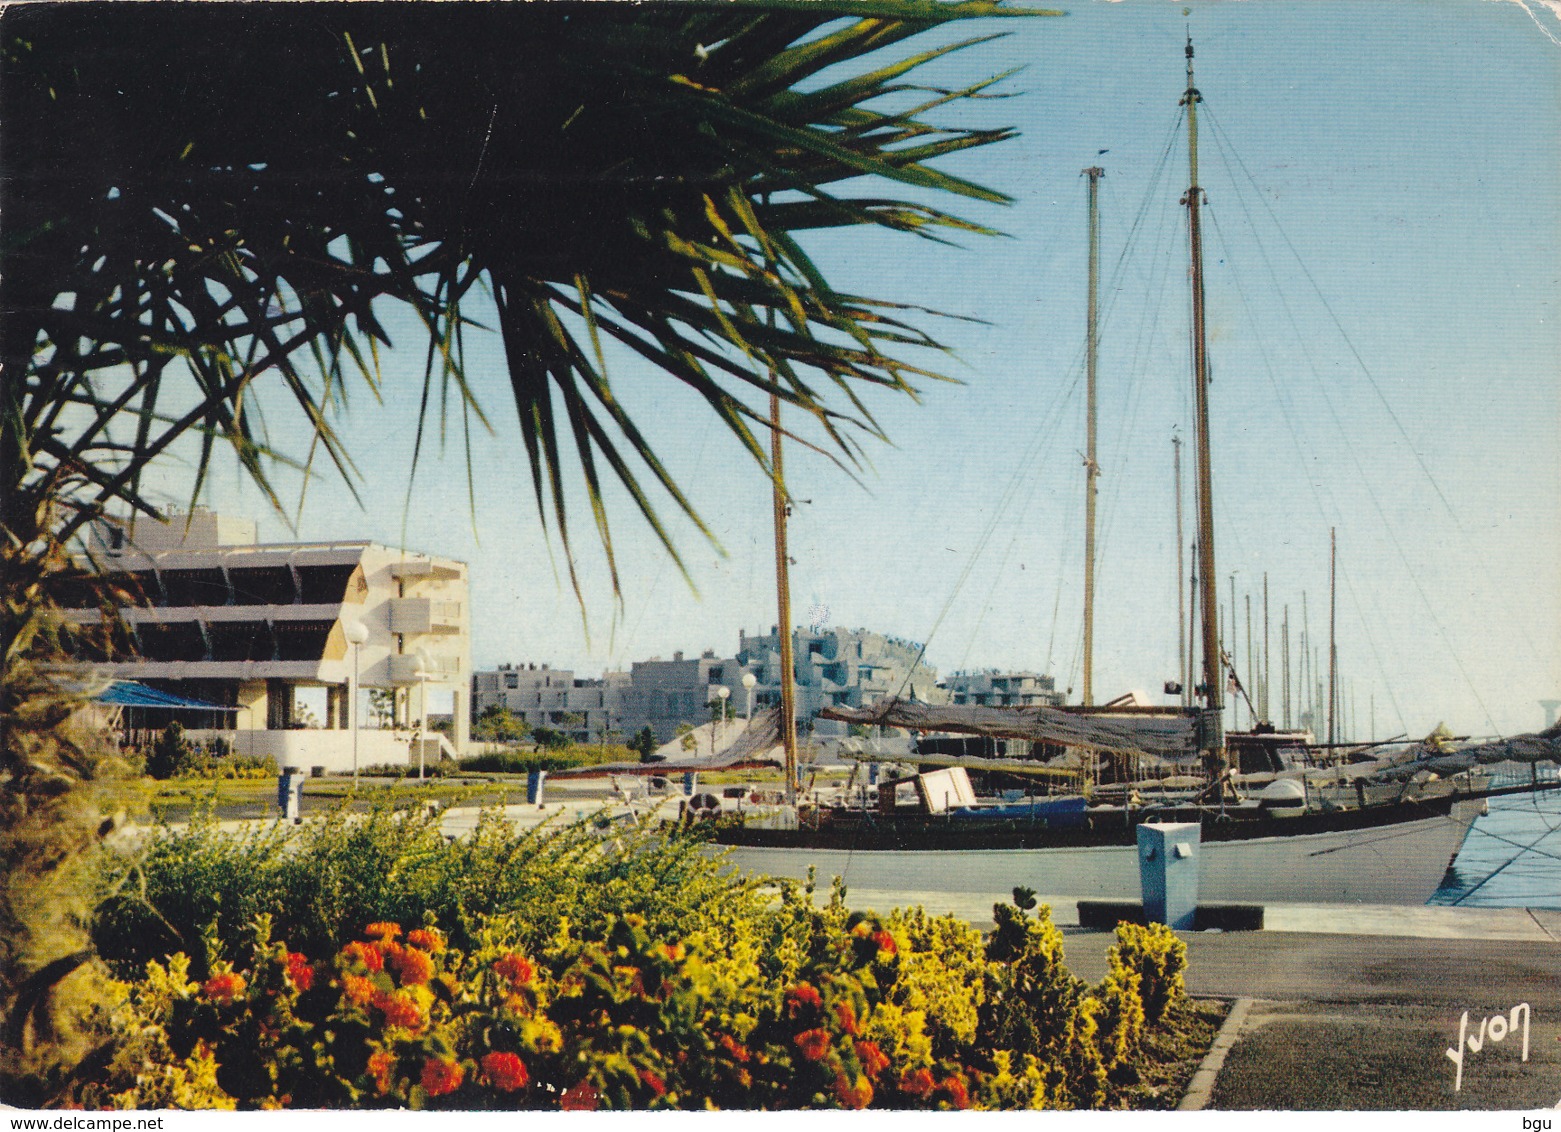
(534, 780)
(1168, 862)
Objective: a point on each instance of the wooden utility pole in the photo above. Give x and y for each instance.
(1091, 465)
(788, 720)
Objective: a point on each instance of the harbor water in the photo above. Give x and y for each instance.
(1512, 857)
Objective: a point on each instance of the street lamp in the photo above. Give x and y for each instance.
(356, 633)
(723, 693)
(420, 667)
(749, 680)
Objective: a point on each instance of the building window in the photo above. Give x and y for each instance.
(511, 680)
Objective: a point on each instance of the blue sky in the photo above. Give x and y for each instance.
(1384, 243)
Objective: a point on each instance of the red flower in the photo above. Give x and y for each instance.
(382, 930)
(370, 957)
(441, 1077)
(874, 1060)
(224, 988)
(505, 1071)
(803, 994)
(916, 1082)
(857, 1095)
(399, 1010)
(581, 1098)
(955, 1088)
(358, 989)
(814, 1044)
(885, 941)
(299, 970)
(381, 1064)
(847, 1016)
(428, 939)
(412, 965)
(653, 1082)
(734, 1049)
(515, 968)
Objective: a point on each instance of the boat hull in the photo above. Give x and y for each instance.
(1402, 862)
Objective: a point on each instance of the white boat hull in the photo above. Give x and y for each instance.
(1402, 863)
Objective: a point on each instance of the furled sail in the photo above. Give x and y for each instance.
(1172, 733)
(755, 744)
(1534, 747)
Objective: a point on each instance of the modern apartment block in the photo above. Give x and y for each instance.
(838, 668)
(1002, 689)
(230, 621)
(554, 698)
(842, 667)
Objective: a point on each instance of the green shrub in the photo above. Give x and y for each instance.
(343, 870)
(171, 754)
(1158, 958)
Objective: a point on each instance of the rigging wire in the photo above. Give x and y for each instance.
(1286, 411)
(1226, 152)
(1219, 132)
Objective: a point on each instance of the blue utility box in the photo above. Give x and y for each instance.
(1168, 860)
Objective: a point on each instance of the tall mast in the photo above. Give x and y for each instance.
(1267, 668)
(1213, 739)
(1333, 648)
(1181, 568)
(788, 721)
(1284, 664)
(1091, 467)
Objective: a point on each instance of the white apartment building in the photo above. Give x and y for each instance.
(995, 688)
(225, 619)
(554, 698)
(833, 667)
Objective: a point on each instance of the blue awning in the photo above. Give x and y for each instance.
(129, 693)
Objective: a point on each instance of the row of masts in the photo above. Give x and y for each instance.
(1194, 629)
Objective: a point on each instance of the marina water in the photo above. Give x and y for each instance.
(1512, 858)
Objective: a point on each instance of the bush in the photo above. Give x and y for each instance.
(559, 758)
(747, 1005)
(652, 978)
(203, 883)
(1158, 958)
(171, 754)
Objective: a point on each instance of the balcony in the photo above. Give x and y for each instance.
(424, 615)
(426, 569)
(439, 670)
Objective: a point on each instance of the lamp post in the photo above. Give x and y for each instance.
(749, 680)
(722, 693)
(420, 667)
(356, 633)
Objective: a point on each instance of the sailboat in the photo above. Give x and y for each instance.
(1383, 831)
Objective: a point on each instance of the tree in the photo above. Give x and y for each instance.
(497, 724)
(644, 744)
(186, 241)
(170, 752)
(382, 706)
(687, 739)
